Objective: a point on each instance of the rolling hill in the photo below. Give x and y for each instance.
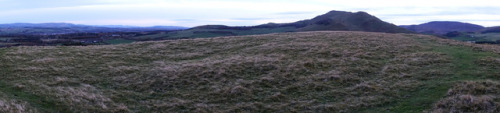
(347, 21)
(331, 21)
(327, 71)
(443, 27)
(64, 28)
(491, 30)
(459, 31)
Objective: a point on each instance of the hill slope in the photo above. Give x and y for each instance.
(491, 30)
(331, 21)
(60, 28)
(287, 72)
(347, 21)
(443, 27)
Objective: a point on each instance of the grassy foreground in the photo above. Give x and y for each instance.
(287, 72)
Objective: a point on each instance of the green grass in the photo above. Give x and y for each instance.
(479, 37)
(464, 67)
(41, 103)
(205, 33)
(286, 72)
(464, 38)
(5, 38)
(16, 93)
(118, 41)
(490, 36)
(264, 30)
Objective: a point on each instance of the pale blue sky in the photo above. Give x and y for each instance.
(191, 13)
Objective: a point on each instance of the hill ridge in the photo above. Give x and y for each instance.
(443, 27)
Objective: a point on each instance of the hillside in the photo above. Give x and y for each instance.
(491, 30)
(331, 21)
(51, 34)
(443, 27)
(64, 28)
(347, 21)
(488, 35)
(287, 72)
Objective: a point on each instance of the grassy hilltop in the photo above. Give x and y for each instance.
(288, 72)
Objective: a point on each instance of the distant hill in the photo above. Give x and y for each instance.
(50, 28)
(331, 21)
(443, 27)
(459, 31)
(152, 27)
(347, 21)
(495, 29)
(489, 35)
(42, 25)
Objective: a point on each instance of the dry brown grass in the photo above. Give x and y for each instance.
(288, 72)
(471, 96)
(14, 106)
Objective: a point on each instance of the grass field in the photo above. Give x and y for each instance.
(480, 37)
(118, 41)
(490, 36)
(7, 44)
(5, 38)
(206, 33)
(286, 72)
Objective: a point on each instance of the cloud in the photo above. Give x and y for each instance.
(294, 13)
(186, 20)
(211, 12)
(409, 3)
(240, 12)
(245, 19)
(138, 22)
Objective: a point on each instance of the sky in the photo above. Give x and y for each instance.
(190, 13)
